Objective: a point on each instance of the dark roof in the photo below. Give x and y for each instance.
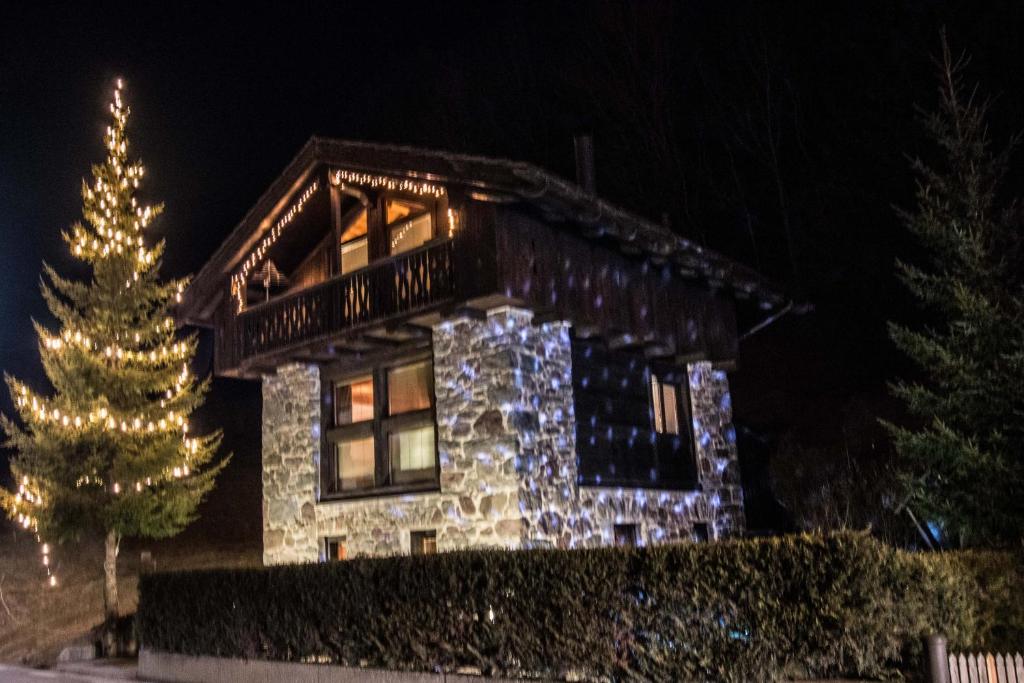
(499, 179)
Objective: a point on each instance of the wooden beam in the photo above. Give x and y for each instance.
(658, 349)
(409, 331)
(380, 339)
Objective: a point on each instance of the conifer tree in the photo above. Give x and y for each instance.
(964, 458)
(108, 452)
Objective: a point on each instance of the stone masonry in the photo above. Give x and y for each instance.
(718, 466)
(291, 458)
(504, 408)
(506, 445)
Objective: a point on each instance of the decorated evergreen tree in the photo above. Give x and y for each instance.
(964, 459)
(109, 452)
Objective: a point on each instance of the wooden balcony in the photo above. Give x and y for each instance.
(400, 286)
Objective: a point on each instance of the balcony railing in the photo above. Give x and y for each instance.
(403, 284)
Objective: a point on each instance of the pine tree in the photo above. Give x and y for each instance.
(963, 461)
(109, 453)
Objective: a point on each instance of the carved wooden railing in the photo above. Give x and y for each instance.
(402, 284)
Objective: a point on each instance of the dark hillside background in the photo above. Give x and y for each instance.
(775, 132)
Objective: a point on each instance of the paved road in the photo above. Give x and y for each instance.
(17, 674)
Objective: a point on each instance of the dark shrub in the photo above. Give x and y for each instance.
(819, 606)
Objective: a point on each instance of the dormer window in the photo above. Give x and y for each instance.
(409, 224)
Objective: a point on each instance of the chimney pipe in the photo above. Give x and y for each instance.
(584, 145)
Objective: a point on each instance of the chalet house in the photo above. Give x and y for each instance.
(460, 352)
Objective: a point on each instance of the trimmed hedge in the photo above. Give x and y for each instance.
(815, 606)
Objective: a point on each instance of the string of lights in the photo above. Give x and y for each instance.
(238, 281)
(340, 177)
(162, 354)
(102, 418)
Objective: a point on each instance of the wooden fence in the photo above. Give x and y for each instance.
(962, 667)
(986, 668)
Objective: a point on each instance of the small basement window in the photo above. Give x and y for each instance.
(423, 542)
(701, 532)
(627, 535)
(334, 549)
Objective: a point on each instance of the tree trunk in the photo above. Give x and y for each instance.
(110, 575)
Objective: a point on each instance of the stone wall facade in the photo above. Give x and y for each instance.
(714, 437)
(291, 461)
(506, 449)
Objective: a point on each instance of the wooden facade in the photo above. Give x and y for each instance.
(628, 301)
(501, 255)
(504, 233)
(616, 443)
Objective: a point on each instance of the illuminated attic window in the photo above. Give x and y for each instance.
(354, 244)
(409, 223)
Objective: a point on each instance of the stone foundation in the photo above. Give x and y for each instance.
(506, 446)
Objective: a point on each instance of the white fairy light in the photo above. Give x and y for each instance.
(239, 279)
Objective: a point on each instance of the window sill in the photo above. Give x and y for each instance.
(381, 492)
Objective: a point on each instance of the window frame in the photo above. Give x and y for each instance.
(432, 209)
(422, 535)
(339, 246)
(380, 427)
(338, 540)
(626, 534)
(657, 398)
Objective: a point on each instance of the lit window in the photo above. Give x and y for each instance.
(397, 209)
(411, 234)
(409, 225)
(396, 446)
(355, 466)
(665, 404)
(354, 255)
(412, 454)
(423, 542)
(409, 388)
(334, 549)
(354, 245)
(353, 401)
(411, 446)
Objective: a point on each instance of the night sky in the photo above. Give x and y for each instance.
(776, 133)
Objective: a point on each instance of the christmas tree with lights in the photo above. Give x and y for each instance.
(110, 453)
